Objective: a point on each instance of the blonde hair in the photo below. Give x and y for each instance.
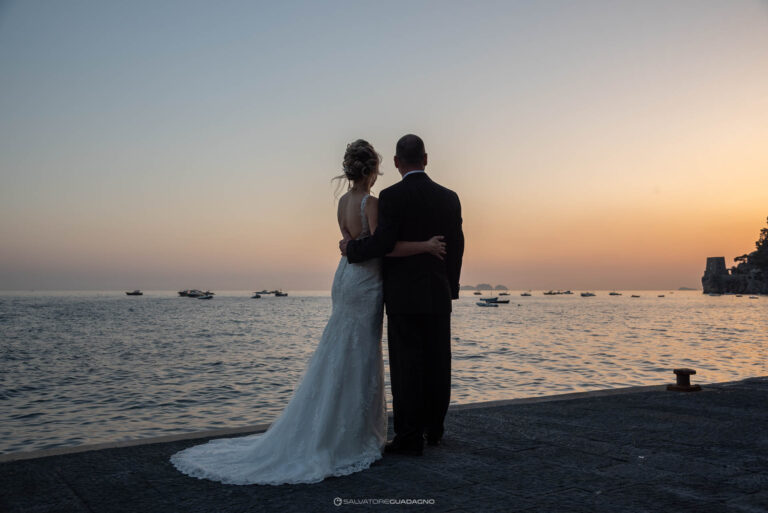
(360, 162)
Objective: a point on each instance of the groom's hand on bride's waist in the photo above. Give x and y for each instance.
(343, 246)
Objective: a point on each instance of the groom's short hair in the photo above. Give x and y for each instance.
(410, 150)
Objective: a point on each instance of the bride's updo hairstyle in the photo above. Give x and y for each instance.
(360, 162)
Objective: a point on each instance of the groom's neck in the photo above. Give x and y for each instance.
(404, 171)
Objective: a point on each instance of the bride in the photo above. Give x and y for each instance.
(336, 422)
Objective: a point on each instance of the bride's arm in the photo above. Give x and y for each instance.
(434, 246)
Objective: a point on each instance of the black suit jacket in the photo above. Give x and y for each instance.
(416, 209)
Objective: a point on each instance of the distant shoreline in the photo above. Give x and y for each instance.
(320, 291)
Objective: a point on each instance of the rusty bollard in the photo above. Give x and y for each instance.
(684, 381)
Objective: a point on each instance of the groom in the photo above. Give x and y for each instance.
(417, 293)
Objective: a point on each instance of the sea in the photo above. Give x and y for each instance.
(89, 367)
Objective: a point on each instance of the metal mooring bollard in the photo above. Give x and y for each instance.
(684, 381)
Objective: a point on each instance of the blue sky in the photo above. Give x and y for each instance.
(183, 144)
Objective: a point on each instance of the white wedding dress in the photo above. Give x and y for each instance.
(336, 422)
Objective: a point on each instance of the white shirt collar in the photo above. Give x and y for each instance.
(412, 172)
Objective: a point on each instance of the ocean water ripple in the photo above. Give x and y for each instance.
(81, 368)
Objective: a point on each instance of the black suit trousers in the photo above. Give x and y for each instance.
(420, 374)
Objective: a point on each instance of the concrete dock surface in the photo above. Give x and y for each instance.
(642, 449)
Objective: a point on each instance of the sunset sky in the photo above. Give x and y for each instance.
(177, 144)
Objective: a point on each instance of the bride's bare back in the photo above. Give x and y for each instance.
(350, 220)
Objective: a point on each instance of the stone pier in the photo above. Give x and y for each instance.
(635, 450)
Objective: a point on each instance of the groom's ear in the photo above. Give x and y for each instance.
(425, 160)
(397, 162)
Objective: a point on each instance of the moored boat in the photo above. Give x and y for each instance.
(135, 293)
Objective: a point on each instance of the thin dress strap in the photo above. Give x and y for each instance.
(363, 217)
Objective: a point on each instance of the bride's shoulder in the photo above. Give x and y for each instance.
(372, 204)
(344, 198)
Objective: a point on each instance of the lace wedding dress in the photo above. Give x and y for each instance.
(336, 422)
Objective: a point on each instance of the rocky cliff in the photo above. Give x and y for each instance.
(719, 280)
(750, 276)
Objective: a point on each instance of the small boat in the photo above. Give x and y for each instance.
(198, 293)
(714, 294)
(256, 295)
(501, 301)
(486, 303)
(739, 295)
(279, 293)
(135, 293)
(614, 293)
(478, 293)
(265, 291)
(205, 296)
(753, 297)
(526, 294)
(567, 292)
(551, 293)
(503, 293)
(489, 299)
(587, 294)
(660, 295)
(635, 295)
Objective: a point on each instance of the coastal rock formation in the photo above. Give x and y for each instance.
(484, 286)
(750, 276)
(737, 280)
(716, 279)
